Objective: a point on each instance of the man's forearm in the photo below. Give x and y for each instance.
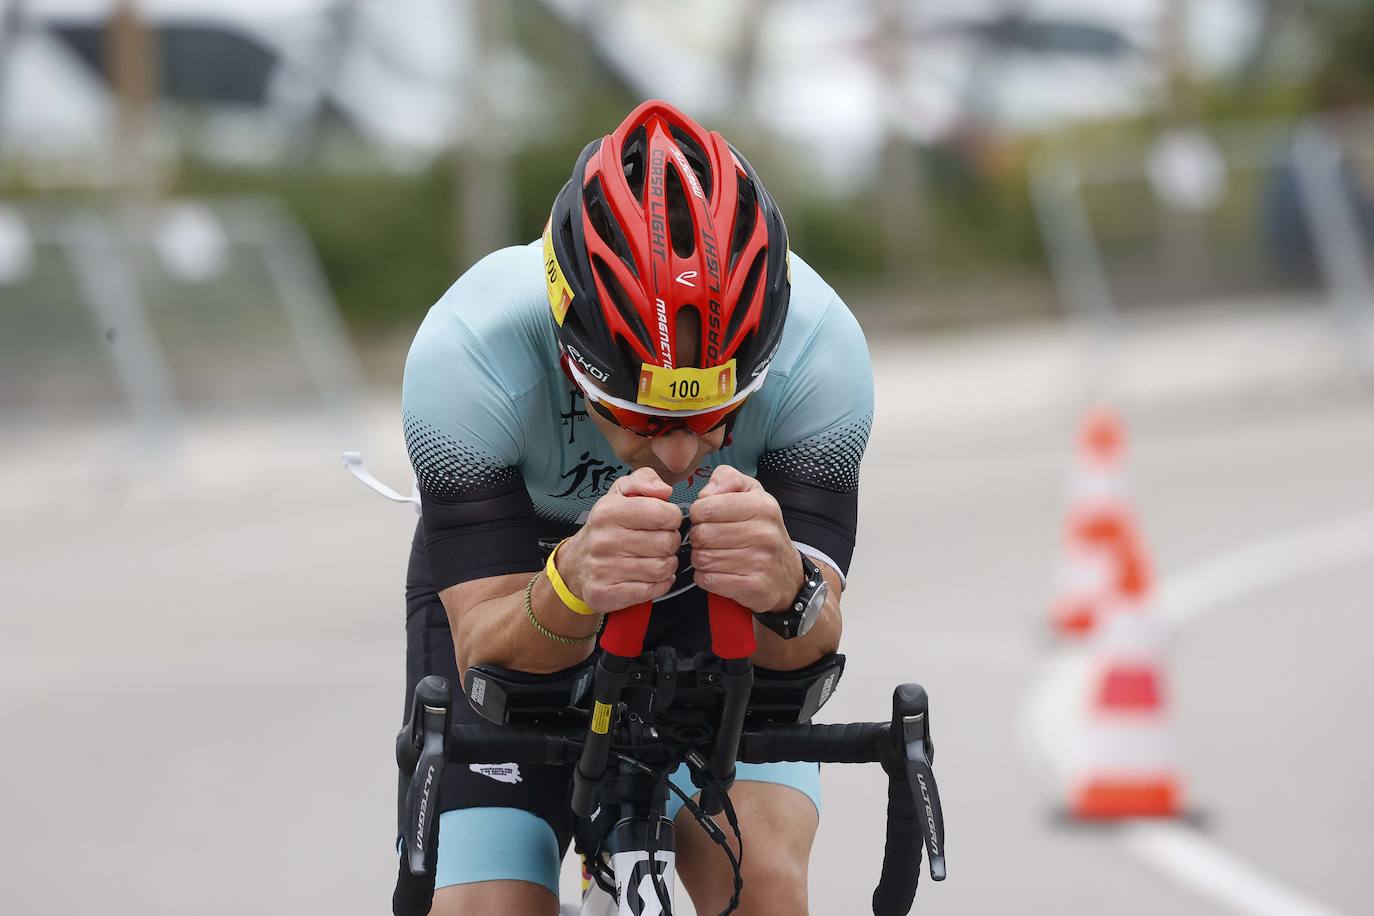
(824, 637)
(497, 631)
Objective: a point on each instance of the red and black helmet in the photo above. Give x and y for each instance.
(667, 268)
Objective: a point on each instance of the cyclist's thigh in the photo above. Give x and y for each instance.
(499, 824)
(497, 845)
(539, 789)
(778, 817)
(494, 898)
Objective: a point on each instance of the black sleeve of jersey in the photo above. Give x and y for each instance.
(493, 534)
(823, 519)
(816, 484)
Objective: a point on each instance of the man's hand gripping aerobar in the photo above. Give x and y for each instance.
(626, 554)
(741, 550)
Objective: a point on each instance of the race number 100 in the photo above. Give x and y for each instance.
(685, 389)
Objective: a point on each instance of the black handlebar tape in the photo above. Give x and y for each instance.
(902, 853)
(504, 744)
(414, 894)
(853, 742)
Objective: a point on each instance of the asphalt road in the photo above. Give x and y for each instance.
(201, 669)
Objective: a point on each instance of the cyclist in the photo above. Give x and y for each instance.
(660, 349)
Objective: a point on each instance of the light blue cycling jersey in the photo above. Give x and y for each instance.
(487, 406)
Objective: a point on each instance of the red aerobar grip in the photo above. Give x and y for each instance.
(625, 629)
(732, 628)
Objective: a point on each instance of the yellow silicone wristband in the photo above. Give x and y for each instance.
(574, 603)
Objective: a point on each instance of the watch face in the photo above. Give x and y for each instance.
(812, 612)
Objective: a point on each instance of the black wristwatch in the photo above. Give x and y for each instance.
(805, 609)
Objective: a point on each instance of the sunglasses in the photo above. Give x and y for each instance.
(651, 427)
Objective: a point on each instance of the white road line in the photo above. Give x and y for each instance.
(1179, 851)
(1209, 870)
(1214, 582)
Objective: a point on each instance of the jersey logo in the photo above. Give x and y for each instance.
(501, 772)
(590, 478)
(685, 278)
(573, 415)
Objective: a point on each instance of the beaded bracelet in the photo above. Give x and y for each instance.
(543, 630)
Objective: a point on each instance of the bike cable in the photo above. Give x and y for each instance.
(651, 847)
(733, 821)
(709, 826)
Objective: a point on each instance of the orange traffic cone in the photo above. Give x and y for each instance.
(1123, 765)
(1104, 556)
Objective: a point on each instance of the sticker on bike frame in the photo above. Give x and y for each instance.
(636, 880)
(560, 293)
(601, 718)
(686, 388)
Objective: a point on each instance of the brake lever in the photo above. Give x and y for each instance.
(911, 714)
(427, 745)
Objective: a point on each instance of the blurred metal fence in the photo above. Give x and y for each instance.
(1278, 213)
(153, 314)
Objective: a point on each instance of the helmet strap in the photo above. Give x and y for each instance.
(563, 364)
(730, 428)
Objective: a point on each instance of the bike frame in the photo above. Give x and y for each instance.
(635, 893)
(635, 880)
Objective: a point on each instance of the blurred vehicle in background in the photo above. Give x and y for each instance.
(235, 83)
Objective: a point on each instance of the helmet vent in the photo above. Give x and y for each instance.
(599, 215)
(746, 215)
(565, 231)
(621, 300)
(696, 158)
(632, 160)
(629, 358)
(680, 229)
(746, 296)
(688, 337)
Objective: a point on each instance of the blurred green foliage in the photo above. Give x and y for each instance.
(388, 241)
(385, 240)
(1346, 77)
